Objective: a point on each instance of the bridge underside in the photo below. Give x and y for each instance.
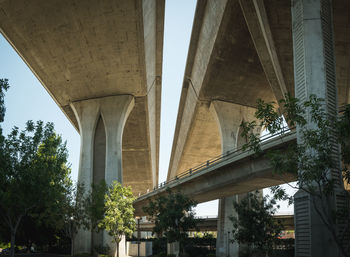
(83, 50)
(239, 173)
(240, 52)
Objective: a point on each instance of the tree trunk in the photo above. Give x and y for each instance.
(13, 238)
(72, 246)
(117, 249)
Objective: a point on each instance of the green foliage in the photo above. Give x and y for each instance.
(343, 128)
(104, 255)
(311, 160)
(102, 250)
(159, 246)
(173, 216)
(81, 208)
(4, 86)
(254, 224)
(162, 254)
(82, 255)
(33, 173)
(119, 212)
(72, 214)
(95, 204)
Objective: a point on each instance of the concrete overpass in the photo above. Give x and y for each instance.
(242, 50)
(83, 50)
(210, 223)
(233, 173)
(101, 61)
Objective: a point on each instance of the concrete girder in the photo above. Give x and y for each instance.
(113, 111)
(222, 64)
(238, 35)
(210, 224)
(317, 230)
(238, 174)
(256, 17)
(229, 117)
(82, 50)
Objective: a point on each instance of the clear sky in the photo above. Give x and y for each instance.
(28, 100)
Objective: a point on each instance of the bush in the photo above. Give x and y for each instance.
(82, 255)
(102, 250)
(159, 246)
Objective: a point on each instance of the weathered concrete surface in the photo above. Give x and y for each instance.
(113, 112)
(237, 174)
(89, 49)
(229, 117)
(318, 231)
(219, 67)
(241, 51)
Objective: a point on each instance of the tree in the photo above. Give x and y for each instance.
(254, 224)
(311, 156)
(33, 171)
(94, 203)
(4, 86)
(72, 212)
(173, 216)
(119, 213)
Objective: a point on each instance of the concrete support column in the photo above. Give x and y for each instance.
(314, 72)
(114, 112)
(229, 117)
(87, 115)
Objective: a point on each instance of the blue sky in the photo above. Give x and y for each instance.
(28, 100)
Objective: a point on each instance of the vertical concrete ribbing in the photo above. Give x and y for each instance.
(87, 116)
(314, 73)
(114, 111)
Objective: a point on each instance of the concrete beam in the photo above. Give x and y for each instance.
(91, 49)
(210, 224)
(255, 15)
(114, 112)
(208, 15)
(240, 173)
(222, 65)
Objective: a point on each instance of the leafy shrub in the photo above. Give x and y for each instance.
(82, 255)
(102, 250)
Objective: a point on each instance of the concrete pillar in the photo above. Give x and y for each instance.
(113, 111)
(229, 117)
(314, 72)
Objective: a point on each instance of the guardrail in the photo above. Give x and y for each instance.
(213, 161)
(228, 155)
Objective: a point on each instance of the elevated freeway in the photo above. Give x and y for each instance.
(244, 50)
(234, 172)
(210, 223)
(88, 50)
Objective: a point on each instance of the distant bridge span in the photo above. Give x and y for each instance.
(233, 173)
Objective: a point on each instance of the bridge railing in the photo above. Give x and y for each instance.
(284, 131)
